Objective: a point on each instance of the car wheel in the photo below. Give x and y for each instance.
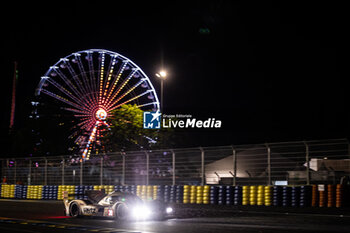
(74, 210)
(121, 212)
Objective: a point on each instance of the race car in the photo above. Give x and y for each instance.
(119, 205)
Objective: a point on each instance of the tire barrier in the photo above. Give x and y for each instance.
(295, 196)
(277, 196)
(179, 194)
(193, 194)
(69, 188)
(252, 195)
(160, 192)
(186, 194)
(314, 198)
(286, 196)
(339, 196)
(222, 195)
(260, 195)
(305, 196)
(166, 195)
(19, 191)
(199, 195)
(267, 195)
(172, 194)
(149, 192)
(8, 191)
(245, 195)
(330, 195)
(50, 192)
(322, 195)
(34, 192)
(155, 192)
(229, 195)
(213, 193)
(237, 196)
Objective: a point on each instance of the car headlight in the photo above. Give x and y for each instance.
(141, 212)
(169, 210)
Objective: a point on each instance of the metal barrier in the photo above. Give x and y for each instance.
(292, 163)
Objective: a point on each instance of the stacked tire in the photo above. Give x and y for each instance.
(314, 196)
(229, 195)
(286, 196)
(330, 195)
(339, 195)
(268, 195)
(186, 194)
(193, 194)
(277, 195)
(295, 196)
(199, 195)
(237, 196)
(49, 192)
(245, 195)
(179, 193)
(260, 196)
(222, 195)
(214, 190)
(253, 195)
(166, 193)
(305, 196)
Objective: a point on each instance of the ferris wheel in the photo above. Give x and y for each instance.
(90, 84)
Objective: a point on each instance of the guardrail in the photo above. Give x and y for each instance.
(292, 163)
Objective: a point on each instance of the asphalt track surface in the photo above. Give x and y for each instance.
(47, 216)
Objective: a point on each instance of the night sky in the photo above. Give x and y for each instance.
(270, 71)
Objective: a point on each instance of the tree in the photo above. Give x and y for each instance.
(126, 131)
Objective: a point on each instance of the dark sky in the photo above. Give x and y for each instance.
(270, 71)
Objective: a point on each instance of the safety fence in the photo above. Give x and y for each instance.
(285, 196)
(288, 163)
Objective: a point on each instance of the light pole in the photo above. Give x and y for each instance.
(162, 76)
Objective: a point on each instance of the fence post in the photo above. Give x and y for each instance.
(173, 156)
(123, 169)
(307, 163)
(30, 171)
(234, 156)
(202, 166)
(101, 170)
(147, 168)
(268, 164)
(81, 172)
(45, 172)
(62, 171)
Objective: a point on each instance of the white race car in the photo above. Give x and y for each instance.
(119, 205)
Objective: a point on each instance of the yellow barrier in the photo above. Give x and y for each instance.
(261, 195)
(8, 191)
(69, 188)
(252, 195)
(206, 194)
(193, 194)
(199, 195)
(268, 195)
(186, 194)
(245, 195)
(155, 192)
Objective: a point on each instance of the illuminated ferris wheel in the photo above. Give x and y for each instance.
(90, 84)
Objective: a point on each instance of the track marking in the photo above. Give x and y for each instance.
(63, 225)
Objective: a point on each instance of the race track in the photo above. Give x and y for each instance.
(44, 216)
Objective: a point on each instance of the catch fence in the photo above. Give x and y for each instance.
(292, 163)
